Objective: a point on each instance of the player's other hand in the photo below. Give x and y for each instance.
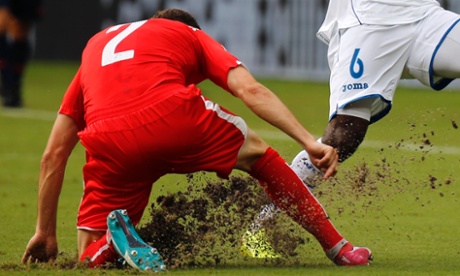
(324, 157)
(40, 248)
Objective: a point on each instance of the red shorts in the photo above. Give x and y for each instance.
(127, 154)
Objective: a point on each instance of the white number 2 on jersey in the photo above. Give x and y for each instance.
(109, 55)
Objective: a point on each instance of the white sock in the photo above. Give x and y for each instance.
(268, 211)
(334, 251)
(303, 167)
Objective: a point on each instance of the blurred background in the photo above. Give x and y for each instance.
(274, 38)
(406, 210)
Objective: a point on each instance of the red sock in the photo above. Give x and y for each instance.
(289, 193)
(99, 252)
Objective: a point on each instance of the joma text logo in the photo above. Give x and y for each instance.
(354, 86)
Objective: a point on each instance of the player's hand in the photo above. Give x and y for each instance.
(40, 248)
(325, 158)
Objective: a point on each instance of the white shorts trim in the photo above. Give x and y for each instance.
(365, 107)
(90, 229)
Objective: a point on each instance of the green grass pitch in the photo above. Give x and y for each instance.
(410, 221)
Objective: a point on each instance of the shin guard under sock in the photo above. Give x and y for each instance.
(289, 193)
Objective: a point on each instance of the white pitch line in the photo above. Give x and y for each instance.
(25, 113)
(266, 134)
(373, 144)
(412, 147)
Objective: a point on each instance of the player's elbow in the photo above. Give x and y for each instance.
(251, 91)
(53, 158)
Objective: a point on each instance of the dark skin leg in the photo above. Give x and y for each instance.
(345, 133)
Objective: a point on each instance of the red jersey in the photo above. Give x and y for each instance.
(127, 67)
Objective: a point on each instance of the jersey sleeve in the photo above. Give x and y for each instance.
(72, 103)
(217, 60)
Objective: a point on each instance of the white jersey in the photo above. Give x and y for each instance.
(342, 14)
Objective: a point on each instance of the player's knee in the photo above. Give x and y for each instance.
(253, 148)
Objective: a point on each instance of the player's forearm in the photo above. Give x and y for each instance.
(269, 107)
(266, 105)
(61, 142)
(50, 185)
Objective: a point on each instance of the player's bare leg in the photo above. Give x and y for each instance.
(86, 237)
(94, 248)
